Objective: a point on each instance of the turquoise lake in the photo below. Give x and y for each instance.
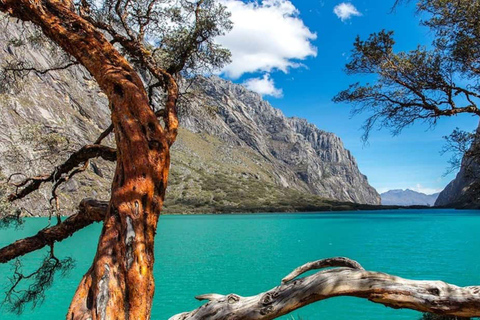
(248, 254)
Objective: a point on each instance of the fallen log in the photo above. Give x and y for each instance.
(349, 280)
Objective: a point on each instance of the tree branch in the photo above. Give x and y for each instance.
(90, 211)
(79, 157)
(104, 134)
(322, 264)
(395, 292)
(20, 68)
(85, 153)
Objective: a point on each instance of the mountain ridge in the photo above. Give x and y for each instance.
(408, 197)
(235, 152)
(302, 153)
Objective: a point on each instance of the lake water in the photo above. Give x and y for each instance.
(248, 254)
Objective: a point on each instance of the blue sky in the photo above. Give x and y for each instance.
(302, 82)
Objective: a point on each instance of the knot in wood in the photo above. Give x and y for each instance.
(232, 298)
(137, 207)
(434, 291)
(266, 310)
(184, 316)
(268, 298)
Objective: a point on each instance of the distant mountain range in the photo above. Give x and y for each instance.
(408, 198)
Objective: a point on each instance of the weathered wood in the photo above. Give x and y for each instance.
(395, 292)
(322, 264)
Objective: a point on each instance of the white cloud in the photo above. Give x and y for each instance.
(266, 36)
(383, 190)
(264, 86)
(419, 188)
(345, 11)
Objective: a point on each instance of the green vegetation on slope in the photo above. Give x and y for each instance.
(210, 176)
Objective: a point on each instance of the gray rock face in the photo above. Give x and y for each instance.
(46, 118)
(303, 156)
(464, 190)
(408, 197)
(229, 135)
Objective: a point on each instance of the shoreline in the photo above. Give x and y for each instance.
(332, 210)
(359, 211)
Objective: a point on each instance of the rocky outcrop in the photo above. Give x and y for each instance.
(464, 190)
(234, 149)
(302, 156)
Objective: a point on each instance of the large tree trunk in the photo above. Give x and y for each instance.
(119, 284)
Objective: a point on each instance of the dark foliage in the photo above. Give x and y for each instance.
(30, 288)
(422, 84)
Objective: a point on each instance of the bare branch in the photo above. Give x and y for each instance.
(41, 279)
(20, 68)
(426, 296)
(321, 264)
(90, 211)
(104, 134)
(69, 168)
(80, 157)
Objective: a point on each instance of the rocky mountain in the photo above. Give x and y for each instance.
(407, 197)
(464, 190)
(235, 152)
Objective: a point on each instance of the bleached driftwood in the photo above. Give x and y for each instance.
(348, 280)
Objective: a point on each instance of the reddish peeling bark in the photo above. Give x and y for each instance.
(119, 284)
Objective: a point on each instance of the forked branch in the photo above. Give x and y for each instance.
(349, 280)
(70, 167)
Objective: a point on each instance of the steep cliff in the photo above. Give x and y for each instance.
(235, 151)
(303, 157)
(464, 190)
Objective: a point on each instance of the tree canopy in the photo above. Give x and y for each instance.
(423, 84)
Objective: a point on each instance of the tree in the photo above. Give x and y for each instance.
(351, 279)
(164, 39)
(111, 39)
(423, 84)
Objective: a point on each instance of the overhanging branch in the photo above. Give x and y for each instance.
(425, 296)
(79, 157)
(90, 211)
(22, 69)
